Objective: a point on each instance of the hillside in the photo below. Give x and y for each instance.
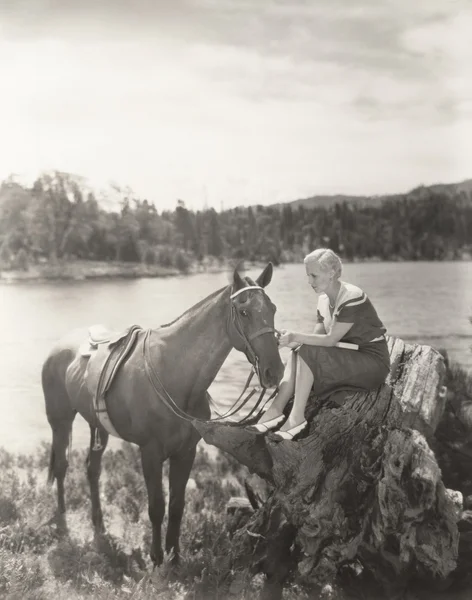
(326, 201)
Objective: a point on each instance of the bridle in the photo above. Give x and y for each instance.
(234, 320)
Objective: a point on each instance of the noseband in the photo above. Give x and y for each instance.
(235, 321)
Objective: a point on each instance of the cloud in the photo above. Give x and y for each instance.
(446, 43)
(257, 101)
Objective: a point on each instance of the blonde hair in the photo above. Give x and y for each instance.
(327, 259)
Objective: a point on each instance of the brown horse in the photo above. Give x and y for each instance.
(186, 354)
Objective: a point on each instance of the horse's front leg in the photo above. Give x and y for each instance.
(179, 471)
(151, 460)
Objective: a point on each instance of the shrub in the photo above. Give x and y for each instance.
(5, 255)
(182, 262)
(150, 256)
(19, 575)
(164, 256)
(8, 511)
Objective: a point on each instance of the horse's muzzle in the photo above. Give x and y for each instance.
(270, 377)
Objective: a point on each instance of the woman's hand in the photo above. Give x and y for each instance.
(287, 339)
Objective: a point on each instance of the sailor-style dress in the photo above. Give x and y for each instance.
(339, 369)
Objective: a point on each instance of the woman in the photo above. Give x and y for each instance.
(344, 314)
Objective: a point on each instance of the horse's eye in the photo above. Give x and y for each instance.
(244, 313)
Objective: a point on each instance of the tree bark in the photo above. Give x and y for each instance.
(361, 487)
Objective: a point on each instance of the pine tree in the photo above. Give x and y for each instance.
(215, 243)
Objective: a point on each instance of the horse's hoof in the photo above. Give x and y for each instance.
(174, 562)
(100, 536)
(157, 559)
(59, 520)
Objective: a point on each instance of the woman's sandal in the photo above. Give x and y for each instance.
(268, 425)
(291, 433)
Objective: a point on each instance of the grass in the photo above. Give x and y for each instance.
(39, 562)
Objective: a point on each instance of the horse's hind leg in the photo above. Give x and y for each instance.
(60, 415)
(93, 463)
(179, 471)
(61, 432)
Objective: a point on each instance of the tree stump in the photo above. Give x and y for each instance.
(360, 492)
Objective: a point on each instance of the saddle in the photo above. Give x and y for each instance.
(106, 351)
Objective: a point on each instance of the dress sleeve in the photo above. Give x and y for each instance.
(351, 310)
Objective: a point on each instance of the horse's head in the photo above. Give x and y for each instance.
(252, 325)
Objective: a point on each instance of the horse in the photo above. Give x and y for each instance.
(187, 355)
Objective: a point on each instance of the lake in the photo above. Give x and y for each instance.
(424, 302)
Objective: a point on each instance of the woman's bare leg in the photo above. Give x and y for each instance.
(286, 390)
(303, 383)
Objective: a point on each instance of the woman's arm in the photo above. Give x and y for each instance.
(337, 332)
(319, 329)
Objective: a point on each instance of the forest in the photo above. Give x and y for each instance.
(57, 220)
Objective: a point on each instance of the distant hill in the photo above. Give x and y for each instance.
(327, 201)
(111, 196)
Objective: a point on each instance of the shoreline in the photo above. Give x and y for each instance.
(99, 270)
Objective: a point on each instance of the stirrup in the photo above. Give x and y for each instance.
(264, 427)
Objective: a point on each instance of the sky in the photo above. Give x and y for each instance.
(235, 102)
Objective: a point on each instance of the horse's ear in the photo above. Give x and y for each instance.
(265, 277)
(238, 281)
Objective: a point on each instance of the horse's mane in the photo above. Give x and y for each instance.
(249, 281)
(195, 306)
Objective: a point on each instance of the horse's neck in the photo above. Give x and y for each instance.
(199, 341)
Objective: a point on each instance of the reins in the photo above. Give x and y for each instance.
(234, 318)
